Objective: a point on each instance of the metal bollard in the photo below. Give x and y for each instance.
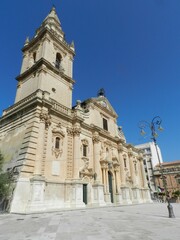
(170, 210)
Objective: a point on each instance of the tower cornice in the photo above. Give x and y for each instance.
(53, 36)
(38, 66)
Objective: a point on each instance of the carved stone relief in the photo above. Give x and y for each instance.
(45, 117)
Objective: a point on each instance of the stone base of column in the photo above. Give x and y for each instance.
(34, 200)
(107, 198)
(98, 195)
(118, 198)
(146, 195)
(136, 198)
(20, 196)
(38, 202)
(126, 198)
(77, 195)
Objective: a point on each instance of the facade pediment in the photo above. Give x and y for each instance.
(101, 103)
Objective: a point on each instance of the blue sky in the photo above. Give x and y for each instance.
(131, 48)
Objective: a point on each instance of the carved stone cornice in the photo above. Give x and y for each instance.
(42, 65)
(48, 33)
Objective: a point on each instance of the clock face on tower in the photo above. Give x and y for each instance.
(104, 104)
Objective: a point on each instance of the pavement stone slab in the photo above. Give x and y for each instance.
(145, 221)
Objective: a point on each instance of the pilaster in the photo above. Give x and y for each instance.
(76, 149)
(96, 155)
(122, 171)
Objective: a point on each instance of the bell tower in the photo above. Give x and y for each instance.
(47, 63)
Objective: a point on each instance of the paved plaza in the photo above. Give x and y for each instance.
(141, 222)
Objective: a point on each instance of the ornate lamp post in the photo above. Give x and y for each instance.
(155, 125)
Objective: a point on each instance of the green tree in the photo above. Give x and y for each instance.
(176, 194)
(1, 161)
(5, 182)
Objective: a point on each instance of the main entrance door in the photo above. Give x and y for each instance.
(110, 185)
(85, 193)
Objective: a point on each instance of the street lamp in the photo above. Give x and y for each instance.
(155, 125)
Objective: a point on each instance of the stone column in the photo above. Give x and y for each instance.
(117, 183)
(145, 191)
(76, 150)
(144, 181)
(96, 155)
(122, 171)
(104, 178)
(98, 192)
(107, 181)
(132, 169)
(116, 178)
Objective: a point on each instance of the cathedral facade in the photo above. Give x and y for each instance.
(63, 156)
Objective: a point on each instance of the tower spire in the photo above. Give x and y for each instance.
(52, 15)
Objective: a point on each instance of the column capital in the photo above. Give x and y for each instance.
(96, 138)
(120, 147)
(140, 157)
(130, 153)
(116, 168)
(69, 131)
(76, 131)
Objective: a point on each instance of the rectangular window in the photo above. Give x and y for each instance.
(105, 124)
(84, 150)
(125, 163)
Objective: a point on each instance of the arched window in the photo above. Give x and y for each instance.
(58, 60)
(57, 143)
